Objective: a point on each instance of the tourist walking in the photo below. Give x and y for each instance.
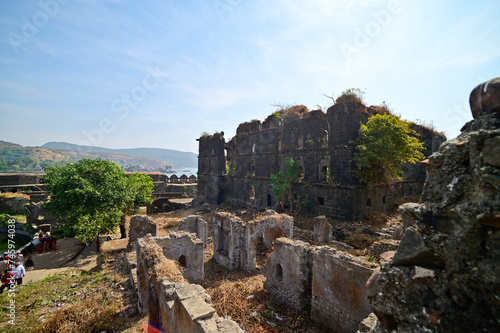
(19, 272)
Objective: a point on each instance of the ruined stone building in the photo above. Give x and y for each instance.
(239, 171)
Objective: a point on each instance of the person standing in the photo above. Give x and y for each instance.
(19, 257)
(19, 272)
(6, 278)
(40, 244)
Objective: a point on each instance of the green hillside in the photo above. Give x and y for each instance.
(17, 158)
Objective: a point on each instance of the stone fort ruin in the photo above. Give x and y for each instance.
(239, 171)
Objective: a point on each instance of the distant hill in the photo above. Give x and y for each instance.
(17, 158)
(174, 157)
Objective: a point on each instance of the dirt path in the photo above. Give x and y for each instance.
(70, 254)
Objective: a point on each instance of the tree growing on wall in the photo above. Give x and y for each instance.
(283, 186)
(383, 145)
(92, 196)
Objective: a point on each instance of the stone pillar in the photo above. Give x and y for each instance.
(322, 230)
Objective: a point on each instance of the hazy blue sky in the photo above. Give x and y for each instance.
(126, 74)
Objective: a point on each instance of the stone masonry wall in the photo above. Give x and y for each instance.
(140, 226)
(235, 241)
(289, 273)
(187, 249)
(173, 304)
(320, 144)
(195, 224)
(339, 296)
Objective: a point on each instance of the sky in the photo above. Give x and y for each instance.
(130, 74)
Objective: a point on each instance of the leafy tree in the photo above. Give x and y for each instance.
(3, 165)
(92, 196)
(383, 144)
(282, 184)
(139, 188)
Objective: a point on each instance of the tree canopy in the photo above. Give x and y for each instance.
(383, 145)
(91, 196)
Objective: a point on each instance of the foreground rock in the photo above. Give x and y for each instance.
(445, 275)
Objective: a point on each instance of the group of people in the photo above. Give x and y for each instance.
(15, 269)
(44, 242)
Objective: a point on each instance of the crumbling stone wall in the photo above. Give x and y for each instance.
(320, 143)
(289, 273)
(140, 226)
(339, 295)
(173, 304)
(235, 241)
(195, 224)
(445, 275)
(187, 249)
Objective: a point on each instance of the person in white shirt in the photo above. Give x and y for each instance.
(19, 272)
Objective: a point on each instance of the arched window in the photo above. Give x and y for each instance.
(325, 174)
(252, 193)
(253, 148)
(300, 172)
(324, 139)
(279, 272)
(182, 260)
(252, 170)
(301, 141)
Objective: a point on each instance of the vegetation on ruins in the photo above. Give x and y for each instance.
(92, 196)
(351, 95)
(283, 186)
(383, 145)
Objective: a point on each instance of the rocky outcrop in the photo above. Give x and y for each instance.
(445, 275)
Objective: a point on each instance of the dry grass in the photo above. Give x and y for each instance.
(170, 269)
(242, 301)
(166, 222)
(94, 315)
(349, 98)
(8, 195)
(359, 240)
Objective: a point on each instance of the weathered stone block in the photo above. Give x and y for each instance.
(288, 273)
(140, 226)
(235, 241)
(322, 230)
(339, 295)
(187, 249)
(195, 224)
